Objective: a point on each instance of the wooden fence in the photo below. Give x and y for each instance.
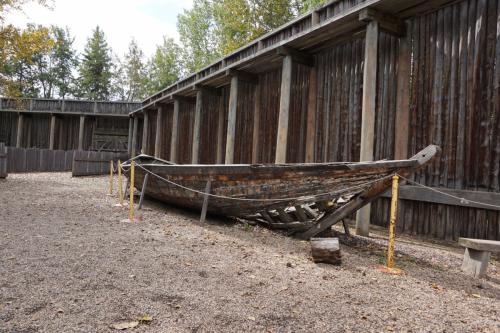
(343, 83)
(90, 163)
(3, 160)
(21, 160)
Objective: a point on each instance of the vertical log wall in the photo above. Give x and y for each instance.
(438, 82)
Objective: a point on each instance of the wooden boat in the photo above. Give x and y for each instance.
(304, 198)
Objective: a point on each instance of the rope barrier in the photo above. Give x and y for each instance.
(462, 200)
(349, 189)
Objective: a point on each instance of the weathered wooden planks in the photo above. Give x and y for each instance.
(3, 160)
(88, 163)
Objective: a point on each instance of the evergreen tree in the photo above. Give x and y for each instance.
(95, 68)
(164, 67)
(135, 73)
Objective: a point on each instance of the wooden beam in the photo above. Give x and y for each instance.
(368, 114)
(311, 116)
(175, 137)
(134, 137)
(52, 132)
(286, 91)
(299, 57)
(159, 133)
(130, 135)
(197, 127)
(402, 119)
(81, 133)
(20, 127)
(387, 22)
(471, 199)
(145, 133)
(256, 126)
(220, 133)
(243, 76)
(231, 121)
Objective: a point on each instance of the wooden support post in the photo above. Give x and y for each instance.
(231, 121)
(143, 191)
(175, 137)
(205, 202)
(81, 133)
(220, 134)
(134, 137)
(311, 116)
(52, 132)
(256, 126)
(286, 90)
(392, 222)
(130, 135)
(197, 127)
(403, 100)
(368, 114)
(159, 133)
(20, 127)
(145, 133)
(131, 214)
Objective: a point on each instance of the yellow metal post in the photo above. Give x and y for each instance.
(120, 182)
(392, 226)
(111, 177)
(132, 175)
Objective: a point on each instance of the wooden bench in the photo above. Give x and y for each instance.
(477, 255)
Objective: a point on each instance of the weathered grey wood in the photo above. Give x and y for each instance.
(326, 250)
(388, 23)
(143, 191)
(471, 199)
(52, 133)
(286, 90)
(243, 76)
(3, 161)
(159, 133)
(206, 197)
(145, 133)
(81, 133)
(368, 114)
(284, 217)
(475, 262)
(220, 134)
(130, 135)
(299, 57)
(480, 244)
(256, 126)
(231, 122)
(20, 128)
(311, 115)
(175, 136)
(197, 127)
(135, 137)
(403, 100)
(300, 213)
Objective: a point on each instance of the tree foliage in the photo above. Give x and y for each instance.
(164, 67)
(40, 61)
(95, 68)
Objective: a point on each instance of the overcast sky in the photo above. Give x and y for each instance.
(121, 20)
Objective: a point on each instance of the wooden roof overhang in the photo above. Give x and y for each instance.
(262, 55)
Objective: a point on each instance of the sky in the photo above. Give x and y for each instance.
(121, 20)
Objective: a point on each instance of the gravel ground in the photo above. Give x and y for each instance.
(69, 265)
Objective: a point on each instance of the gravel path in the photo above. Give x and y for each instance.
(67, 264)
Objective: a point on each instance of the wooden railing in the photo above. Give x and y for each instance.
(67, 106)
